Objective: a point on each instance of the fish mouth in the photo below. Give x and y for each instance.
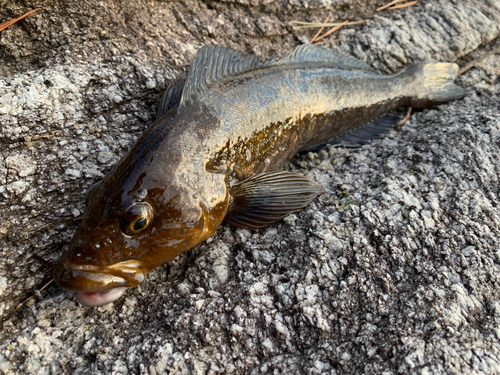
(97, 285)
(96, 299)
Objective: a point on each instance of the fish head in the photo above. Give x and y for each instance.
(103, 260)
(138, 219)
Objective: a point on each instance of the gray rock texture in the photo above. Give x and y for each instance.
(393, 270)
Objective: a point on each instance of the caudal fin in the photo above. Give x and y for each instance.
(435, 84)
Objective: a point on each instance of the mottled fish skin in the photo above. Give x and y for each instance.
(310, 105)
(233, 122)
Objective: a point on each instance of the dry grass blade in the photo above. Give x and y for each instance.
(4, 25)
(306, 25)
(490, 67)
(320, 30)
(406, 5)
(318, 36)
(406, 118)
(332, 30)
(477, 61)
(33, 296)
(388, 5)
(328, 41)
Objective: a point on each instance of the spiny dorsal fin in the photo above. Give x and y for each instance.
(212, 63)
(171, 97)
(310, 53)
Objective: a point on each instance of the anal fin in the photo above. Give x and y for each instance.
(265, 198)
(362, 134)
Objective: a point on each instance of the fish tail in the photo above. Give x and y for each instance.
(434, 84)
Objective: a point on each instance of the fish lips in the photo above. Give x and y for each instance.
(96, 278)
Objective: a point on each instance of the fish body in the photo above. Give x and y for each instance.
(215, 152)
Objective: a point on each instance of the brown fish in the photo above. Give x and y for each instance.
(215, 151)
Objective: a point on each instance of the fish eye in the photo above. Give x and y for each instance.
(137, 218)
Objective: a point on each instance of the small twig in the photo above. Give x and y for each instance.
(320, 30)
(406, 5)
(406, 118)
(4, 25)
(306, 25)
(328, 41)
(388, 5)
(333, 29)
(477, 61)
(33, 296)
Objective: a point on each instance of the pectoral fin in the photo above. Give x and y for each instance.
(268, 197)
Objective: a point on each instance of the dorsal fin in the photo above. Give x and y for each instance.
(171, 97)
(310, 53)
(212, 63)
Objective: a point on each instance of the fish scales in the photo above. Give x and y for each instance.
(309, 106)
(215, 153)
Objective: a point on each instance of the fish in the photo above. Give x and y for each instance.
(217, 150)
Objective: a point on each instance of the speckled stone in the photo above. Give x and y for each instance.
(393, 270)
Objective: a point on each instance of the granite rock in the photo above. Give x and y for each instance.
(393, 270)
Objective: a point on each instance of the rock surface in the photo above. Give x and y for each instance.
(393, 270)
